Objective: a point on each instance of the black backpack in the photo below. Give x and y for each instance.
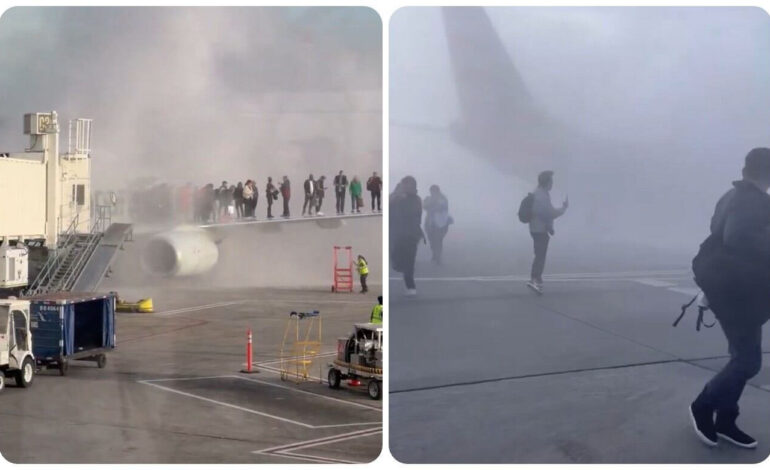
(525, 208)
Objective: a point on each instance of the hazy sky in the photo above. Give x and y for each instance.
(651, 112)
(200, 94)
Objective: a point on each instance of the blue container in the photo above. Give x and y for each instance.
(70, 326)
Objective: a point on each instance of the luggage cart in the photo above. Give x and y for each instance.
(301, 345)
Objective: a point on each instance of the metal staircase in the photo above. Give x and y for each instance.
(64, 266)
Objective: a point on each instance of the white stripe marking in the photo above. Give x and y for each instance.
(691, 291)
(360, 405)
(654, 283)
(229, 405)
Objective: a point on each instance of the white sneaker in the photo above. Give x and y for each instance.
(535, 287)
(411, 292)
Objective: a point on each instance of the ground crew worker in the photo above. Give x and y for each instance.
(363, 272)
(376, 316)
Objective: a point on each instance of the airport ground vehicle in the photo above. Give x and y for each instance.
(71, 326)
(16, 357)
(359, 359)
(141, 306)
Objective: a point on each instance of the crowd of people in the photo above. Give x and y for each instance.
(406, 232)
(209, 204)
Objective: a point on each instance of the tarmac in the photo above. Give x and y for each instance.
(172, 391)
(484, 371)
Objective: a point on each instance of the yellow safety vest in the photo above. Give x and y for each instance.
(363, 268)
(376, 314)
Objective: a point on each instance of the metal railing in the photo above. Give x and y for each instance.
(62, 269)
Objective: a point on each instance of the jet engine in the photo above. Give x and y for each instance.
(184, 251)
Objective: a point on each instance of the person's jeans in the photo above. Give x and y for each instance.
(340, 201)
(353, 203)
(403, 256)
(436, 238)
(541, 248)
(286, 207)
(308, 205)
(363, 283)
(744, 342)
(376, 196)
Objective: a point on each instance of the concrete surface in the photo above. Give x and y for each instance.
(484, 371)
(172, 391)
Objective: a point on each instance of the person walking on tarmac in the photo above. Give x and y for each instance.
(340, 185)
(732, 268)
(320, 191)
(309, 187)
(437, 221)
(405, 231)
(355, 195)
(374, 186)
(286, 195)
(271, 194)
(541, 226)
(376, 316)
(363, 272)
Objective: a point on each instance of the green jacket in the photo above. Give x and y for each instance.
(355, 188)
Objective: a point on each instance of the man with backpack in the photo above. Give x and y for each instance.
(536, 210)
(732, 268)
(374, 186)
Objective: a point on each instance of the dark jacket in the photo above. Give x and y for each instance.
(733, 263)
(374, 184)
(340, 183)
(286, 189)
(405, 217)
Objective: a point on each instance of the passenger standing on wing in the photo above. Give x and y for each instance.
(271, 195)
(286, 195)
(355, 195)
(309, 187)
(222, 199)
(340, 185)
(541, 226)
(238, 198)
(374, 186)
(248, 198)
(320, 191)
(732, 268)
(363, 272)
(405, 232)
(437, 221)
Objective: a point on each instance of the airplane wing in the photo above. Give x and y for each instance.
(325, 222)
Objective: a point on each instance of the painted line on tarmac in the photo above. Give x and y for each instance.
(689, 291)
(200, 307)
(566, 277)
(654, 283)
(228, 405)
(347, 402)
(152, 383)
(287, 450)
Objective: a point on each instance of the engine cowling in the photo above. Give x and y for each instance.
(184, 251)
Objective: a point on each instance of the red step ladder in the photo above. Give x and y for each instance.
(343, 276)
